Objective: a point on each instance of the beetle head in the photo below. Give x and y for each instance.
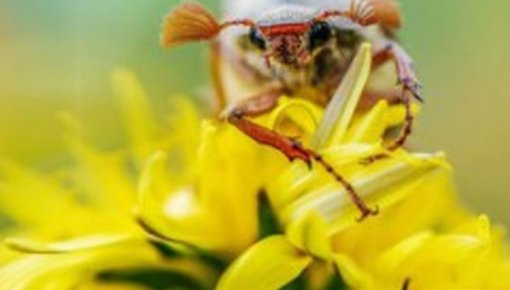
(290, 44)
(287, 37)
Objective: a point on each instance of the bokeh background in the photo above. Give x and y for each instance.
(57, 55)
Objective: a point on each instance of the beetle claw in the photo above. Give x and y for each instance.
(368, 212)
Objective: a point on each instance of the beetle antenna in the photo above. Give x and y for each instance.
(191, 22)
(368, 12)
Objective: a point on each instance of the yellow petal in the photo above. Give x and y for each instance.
(78, 244)
(300, 115)
(136, 112)
(63, 271)
(181, 139)
(310, 233)
(71, 270)
(449, 261)
(20, 187)
(298, 179)
(395, 256)
(429, 203)
(353, 276)
(384, 183)
(187, 223)
(397, 114)
(340, 110)
(370, 127)
(101, 176)
(45, 221)
(268, 265)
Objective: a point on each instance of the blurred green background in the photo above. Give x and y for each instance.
(58, 55)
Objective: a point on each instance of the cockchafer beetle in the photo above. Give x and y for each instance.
(291, 47)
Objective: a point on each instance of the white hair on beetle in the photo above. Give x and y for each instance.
(252, 9)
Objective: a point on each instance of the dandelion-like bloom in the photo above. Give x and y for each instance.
(195, 204)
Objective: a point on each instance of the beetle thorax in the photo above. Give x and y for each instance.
(286, 14)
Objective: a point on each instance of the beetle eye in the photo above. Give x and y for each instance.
(257, 39)
(320, 33)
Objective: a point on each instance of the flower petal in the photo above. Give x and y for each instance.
(384, 183)
(298, 114)
(310, 234)
(20, 187)
(353, 276)
(102, 176)
(268, 265)
(79, 244)
(155, 209)
(439, 261)
(340, 110)
(369, 127)
(63, 271)
(71, 270)
(136, 112)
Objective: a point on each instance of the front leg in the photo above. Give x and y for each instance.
(256, 106)
(291, 148)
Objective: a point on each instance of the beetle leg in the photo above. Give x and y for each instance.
(256, 106)
(405, 132)
(371, 97)
(405, 70)
(410, 85)
(408, 123)
(290, 147)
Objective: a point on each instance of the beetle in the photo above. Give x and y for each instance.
(301, 48)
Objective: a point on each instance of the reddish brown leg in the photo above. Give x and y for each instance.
(410, 85)
(288, 146)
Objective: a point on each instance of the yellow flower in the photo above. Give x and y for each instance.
(184, 206)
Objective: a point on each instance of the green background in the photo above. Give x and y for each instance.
(58, 55)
